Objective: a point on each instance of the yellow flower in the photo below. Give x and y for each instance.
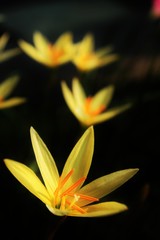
(90, 110)
(6, 54)
(47, 53)
(86, 58)
(64, 194)
(6, 87)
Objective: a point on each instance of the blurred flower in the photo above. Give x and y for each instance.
(44, 52)
(155, 8)
(87, 109)
(64, 195)
(6, 87)
(6, 54)
(87, 59)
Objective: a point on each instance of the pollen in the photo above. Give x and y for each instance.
(69, 198)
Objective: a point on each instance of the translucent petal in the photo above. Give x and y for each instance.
(3, 41)
(87, 44)
(34, 53)
(41, 43)
(9, 54)
(102, 97)
(28, 179)
(12, 102)
(80, 157)
(64, 40)
(8, 85)
(104, 185)
(78, 93)
(109, 114)
(68, 96)
(45, 162)
(101, 210)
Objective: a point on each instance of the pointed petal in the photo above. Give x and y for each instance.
(7, 86)
(34, 53)
(9, 54)
(78, 93)
(102, 209)
(41, 42)
(87, 44)
(64, 39)
(68, 96)
(3, 41)
(28, 179)
(12, 102)
(102, 97)
(45, 162)
(104, 185)
(80, 157)
(109, 114)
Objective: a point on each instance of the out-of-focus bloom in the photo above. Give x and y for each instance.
(47, 53)
(6, 88)
(86, 58)
(155, 8)
(90, 110)
(65, 195)
(6, 54)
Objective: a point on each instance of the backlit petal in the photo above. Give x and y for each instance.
(101, 210)
(45, 162)
(41, 42)
(109, 114)
(33, 53)
(28, 178)
(78, 93)
(104, 185)
(80, 157)
(7, 86)
(12, 102)
(68, 96)
(102, 97)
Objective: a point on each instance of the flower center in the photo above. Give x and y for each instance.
(88, 107)
(68, 199)
(55, 53)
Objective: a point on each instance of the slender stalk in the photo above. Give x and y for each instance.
(56, 228)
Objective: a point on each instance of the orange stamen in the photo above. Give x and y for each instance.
(76, 207)
(75, 185)
(86, 197)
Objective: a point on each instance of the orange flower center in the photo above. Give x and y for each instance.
(60, 197)
(88, 109)
(55, 53)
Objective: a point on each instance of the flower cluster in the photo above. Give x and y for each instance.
(65, 194)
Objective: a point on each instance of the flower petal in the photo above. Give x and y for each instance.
(8, 54)
(41, 43)
(68, 96)
(102, 97)
(104, 185)
(12, 102)
(109, 114)
(80, 157)
(78, 93)
(3, 41)
(64, 40)
(101, 210)
(28, 178)
(45, 162)
(34, 53)
(7, 86)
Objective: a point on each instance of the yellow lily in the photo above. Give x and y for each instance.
(6, 87)
(86, 58)
(6, 54)
(64, 194)
(47, 53)
(90, 110)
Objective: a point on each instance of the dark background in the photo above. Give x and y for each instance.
(129, 140)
